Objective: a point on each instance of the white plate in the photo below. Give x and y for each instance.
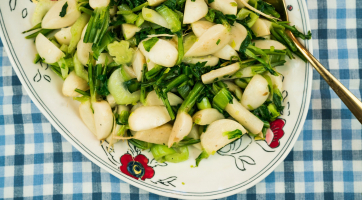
(234, 168)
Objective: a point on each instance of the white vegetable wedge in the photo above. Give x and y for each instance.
(121, 108)
(240, 4)
(214, 139)
(129, 71)
(103, 119)
(142, 48)
(103, 57)
(83, 49)
(194, 10)
(129, 30)
(234, 88)
(152, 16)
(137, 64)
(163, 53)
(228, 7)
(87, 116)
(220, 73)
(118, 91)
(42, 7)
(244, 117)
(194, 133)
(211, 60)
(260, 29)
(153, 100)
(238, 34)
(214, 39)
(207, 116)
(150, 64)
(266, 44)
(155, 2)
(200, 27)
(277, 81)
(47, 50)
(63, 36)
(111, 101)
(158, 135)
(226, 53)
(52, 20)
(98, 3)
(73, 82)
(148, 117)
(181, 128)
(256, 93)
(138, 105)
(266, 22)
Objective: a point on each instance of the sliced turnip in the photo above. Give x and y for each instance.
(200, 27)
(189, 40)
(228, 7)
(129, 30)
(117, 89)
(260, 29)
(256, 93)
(152, 16)
(207, 116)
(87, 116)
(150, 65)
(135, 107)
(194, 10)
(214, 138)
(83, 49)
(267, 22)
(266, 44)
(220, 74)
(47, 50)
(277, 81)
(244, 117)
(98, 3)
(129, 71)
(73, 82)
(158, 135)
(103, 119)
(111, 101)
(153, 100)
(214, 39)
(234, 88)
(211, 60)
(148, 117)
(103, 57)
(155, 2)
(63, 36)
(181, 128)
(226, 53)
(238, 34)
(137, 64)
(194, 133)
(52, 20)
(163, 53)
(41, 9)
(240, 4)
(142, 48)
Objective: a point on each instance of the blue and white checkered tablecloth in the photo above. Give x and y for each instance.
(326, 162)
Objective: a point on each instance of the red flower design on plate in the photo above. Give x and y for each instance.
(274, 133)
(136, 167)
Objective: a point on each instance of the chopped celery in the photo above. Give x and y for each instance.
(222, 99)
(79, 68)
(250, 16)
(121, 51)
(171, 18)
(182, 154)
(76, 31)
(160, 151)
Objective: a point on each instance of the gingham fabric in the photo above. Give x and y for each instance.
(325, 163)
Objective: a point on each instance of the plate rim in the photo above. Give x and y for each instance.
(154, 189)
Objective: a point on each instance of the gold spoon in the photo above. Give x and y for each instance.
(351, 101)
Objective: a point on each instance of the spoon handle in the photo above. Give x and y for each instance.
(351, 101)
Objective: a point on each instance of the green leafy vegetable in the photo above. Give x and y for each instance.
(148, 44)
(63, 12)
(203, 155)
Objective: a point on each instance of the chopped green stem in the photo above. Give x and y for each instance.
(266, 65)
(233, 134)
(203, 155)
(190, 100)
(203, 104)
(154, 71)
(86, 10)
(84, 93)
(180, 48)
(165, 101)
(32, 29)
(123, 117)
(98, 49)
(56, 70)
(186, 142)
(91, 82)
(45, 32)
(138, 8)
(287, 40)
(37, 58)
(275, 52)
(222, 99)
(175, 83)
(143, 88)
(301, 56)
(171, 17)
(132, 85)
(184, 90)
(297, 33)
(97, 26)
